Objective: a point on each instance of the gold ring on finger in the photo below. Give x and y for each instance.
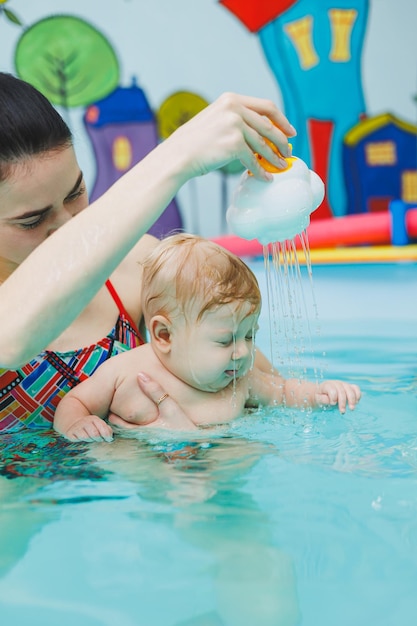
(161, 399)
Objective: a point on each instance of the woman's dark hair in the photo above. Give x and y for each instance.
(29, 124)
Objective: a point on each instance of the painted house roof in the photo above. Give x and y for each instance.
(370, 125)
(257, 13)
(124, 104)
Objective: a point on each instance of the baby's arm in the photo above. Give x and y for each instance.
(269, 388)
(111, 389)
(79, 415)
(330, 392)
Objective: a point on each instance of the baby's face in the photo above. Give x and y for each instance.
(210, 354)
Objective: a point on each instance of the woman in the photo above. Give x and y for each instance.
(70, 272)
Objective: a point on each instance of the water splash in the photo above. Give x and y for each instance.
(234, 396)
(252, 362)
(293, 311)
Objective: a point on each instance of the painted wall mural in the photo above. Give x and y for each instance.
(8, 14)
(379, 157)
(315, 52)
(123, 129)
(68, 60)
(73, 64)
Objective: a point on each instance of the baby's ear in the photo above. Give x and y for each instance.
(160, 332)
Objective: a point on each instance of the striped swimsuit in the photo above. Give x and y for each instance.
(30, 394)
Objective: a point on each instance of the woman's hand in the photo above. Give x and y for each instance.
(168, 414)
(234, 127)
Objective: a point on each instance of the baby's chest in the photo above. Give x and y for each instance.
(218, 408)
(130, 403)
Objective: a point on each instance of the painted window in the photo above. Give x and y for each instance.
(300, 33)
(342, 21)
(381, 153)
(409, 186)
(122, 153)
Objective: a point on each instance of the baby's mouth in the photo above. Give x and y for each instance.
(232, 373)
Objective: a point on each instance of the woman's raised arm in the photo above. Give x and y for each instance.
(49, 289)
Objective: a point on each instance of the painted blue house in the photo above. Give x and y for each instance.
(380, 163)
(123, 130)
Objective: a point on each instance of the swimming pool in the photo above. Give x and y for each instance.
(284, 517)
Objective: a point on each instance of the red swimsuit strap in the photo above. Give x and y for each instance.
(121, 307)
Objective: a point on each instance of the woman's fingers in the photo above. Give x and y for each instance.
(150, 387)
(270, 111)
(170, 413)
(234, 127)
(266, 128)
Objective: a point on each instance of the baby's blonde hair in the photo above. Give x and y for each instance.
(186, 273)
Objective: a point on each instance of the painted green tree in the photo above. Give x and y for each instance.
(68, 60)
(9, 14)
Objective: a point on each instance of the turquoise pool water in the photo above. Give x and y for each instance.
(282, 518)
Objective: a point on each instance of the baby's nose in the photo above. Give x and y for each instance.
(240, 350)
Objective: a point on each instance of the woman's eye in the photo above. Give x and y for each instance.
(33, 223)
(75, 195)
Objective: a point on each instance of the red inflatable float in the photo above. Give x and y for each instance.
(352, 230)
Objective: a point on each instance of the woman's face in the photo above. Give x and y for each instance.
(41, 194)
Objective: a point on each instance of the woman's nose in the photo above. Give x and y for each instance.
(62, 217)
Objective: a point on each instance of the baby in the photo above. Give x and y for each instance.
(201, 306)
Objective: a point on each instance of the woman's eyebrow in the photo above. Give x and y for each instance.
(37, 212)
(77, 184)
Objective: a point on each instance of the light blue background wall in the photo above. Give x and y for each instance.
(199, 46)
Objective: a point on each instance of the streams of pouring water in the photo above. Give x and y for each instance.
(274, 214)
(292, 310)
